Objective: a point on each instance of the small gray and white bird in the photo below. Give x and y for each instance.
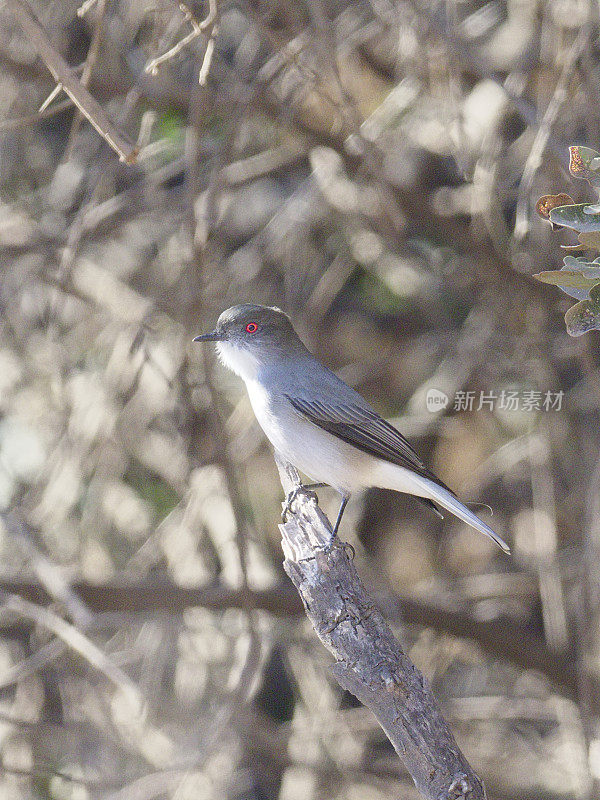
(317, 422)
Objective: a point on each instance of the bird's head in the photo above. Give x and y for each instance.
(250, 336)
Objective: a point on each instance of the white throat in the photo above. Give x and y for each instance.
(238, 360)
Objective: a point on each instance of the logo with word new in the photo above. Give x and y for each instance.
(436, 400)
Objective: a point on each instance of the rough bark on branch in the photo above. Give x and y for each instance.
(369, 660)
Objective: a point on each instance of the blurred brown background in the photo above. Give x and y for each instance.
(372, 168)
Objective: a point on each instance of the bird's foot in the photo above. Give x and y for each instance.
(301, 489)
(289, 500)
(335, 542)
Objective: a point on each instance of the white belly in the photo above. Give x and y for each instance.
(323, 457)
(319, 455)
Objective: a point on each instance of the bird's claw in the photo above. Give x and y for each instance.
(350, 551)
(290, 499)
(346, 547)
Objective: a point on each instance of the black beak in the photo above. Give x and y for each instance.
(215, 336)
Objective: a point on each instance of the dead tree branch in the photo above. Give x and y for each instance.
(369, 660)
(73, 87)
(208, 26)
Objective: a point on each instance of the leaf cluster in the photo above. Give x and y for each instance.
(580, 276)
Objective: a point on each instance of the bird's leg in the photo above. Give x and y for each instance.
(345, 545)
(345, 498)
(295, 492)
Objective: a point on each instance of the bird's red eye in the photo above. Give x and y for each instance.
(251, 327)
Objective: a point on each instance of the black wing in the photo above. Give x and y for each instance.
(366, 430)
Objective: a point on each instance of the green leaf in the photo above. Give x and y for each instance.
(571, 282)
(575, 262)
(587, 241)
(576, 218)
(589, 269)
(590, 239)
(585, 315)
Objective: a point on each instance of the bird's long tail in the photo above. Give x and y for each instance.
(446, 499)
(392, 476)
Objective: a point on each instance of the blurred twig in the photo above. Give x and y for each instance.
(90, 61)
(460, 51)
(501, 638)
(45, 655)
(206, 25)
(545, 544)
(543, 134)
(48, 573)
(64, 75)
(587, 617)
(30, 119)
(73, 638)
